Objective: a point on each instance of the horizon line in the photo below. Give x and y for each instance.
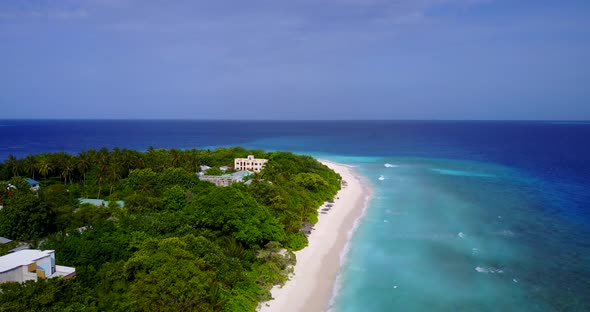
(291, 120)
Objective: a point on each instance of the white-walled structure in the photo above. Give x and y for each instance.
(226, 179)
(31, 264)
(249, 163)
(34, 185)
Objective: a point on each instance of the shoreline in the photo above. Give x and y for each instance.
(312, 285)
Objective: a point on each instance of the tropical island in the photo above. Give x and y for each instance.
(145, 231)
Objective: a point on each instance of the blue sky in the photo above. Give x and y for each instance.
(295, 59)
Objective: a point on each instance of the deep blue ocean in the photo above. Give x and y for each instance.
(469, 216)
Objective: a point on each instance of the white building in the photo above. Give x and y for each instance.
(250, 163)
(203, 169)
(100, 202)
(222, 180)
(30, 264)
(34, 185)
(240, 176)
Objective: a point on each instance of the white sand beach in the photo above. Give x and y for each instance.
(310, 287)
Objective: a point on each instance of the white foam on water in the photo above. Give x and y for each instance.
(490, 270)
(461, 234)
(515, 280)
(381, 178)
(388, 165)
(452, 172)
(506, 233)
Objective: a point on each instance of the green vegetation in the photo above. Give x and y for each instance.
(178, 244)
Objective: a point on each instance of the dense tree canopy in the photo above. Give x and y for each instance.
(177, 244)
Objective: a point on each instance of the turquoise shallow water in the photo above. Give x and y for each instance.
(444, 235)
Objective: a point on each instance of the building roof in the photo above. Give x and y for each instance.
(249, 157)
(22, 257)
(61, 270)
(20, 247)
(4, 240)
(243, 173)
(99, 202)
(32, 182)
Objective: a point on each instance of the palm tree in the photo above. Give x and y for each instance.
(151, 158)
(58, 160)
(83, 165)
(140, 162)
(13, 164)
(129, 161)
(113, 175)
(44, 167)
(193, 162)
(103, 157)
(102, 173)
(99, 178)
(175, 157)
(67, 170)
(30, 165)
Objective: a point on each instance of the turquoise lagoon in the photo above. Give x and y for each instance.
(450, 235)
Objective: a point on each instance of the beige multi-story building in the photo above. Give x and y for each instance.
(250, 163)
